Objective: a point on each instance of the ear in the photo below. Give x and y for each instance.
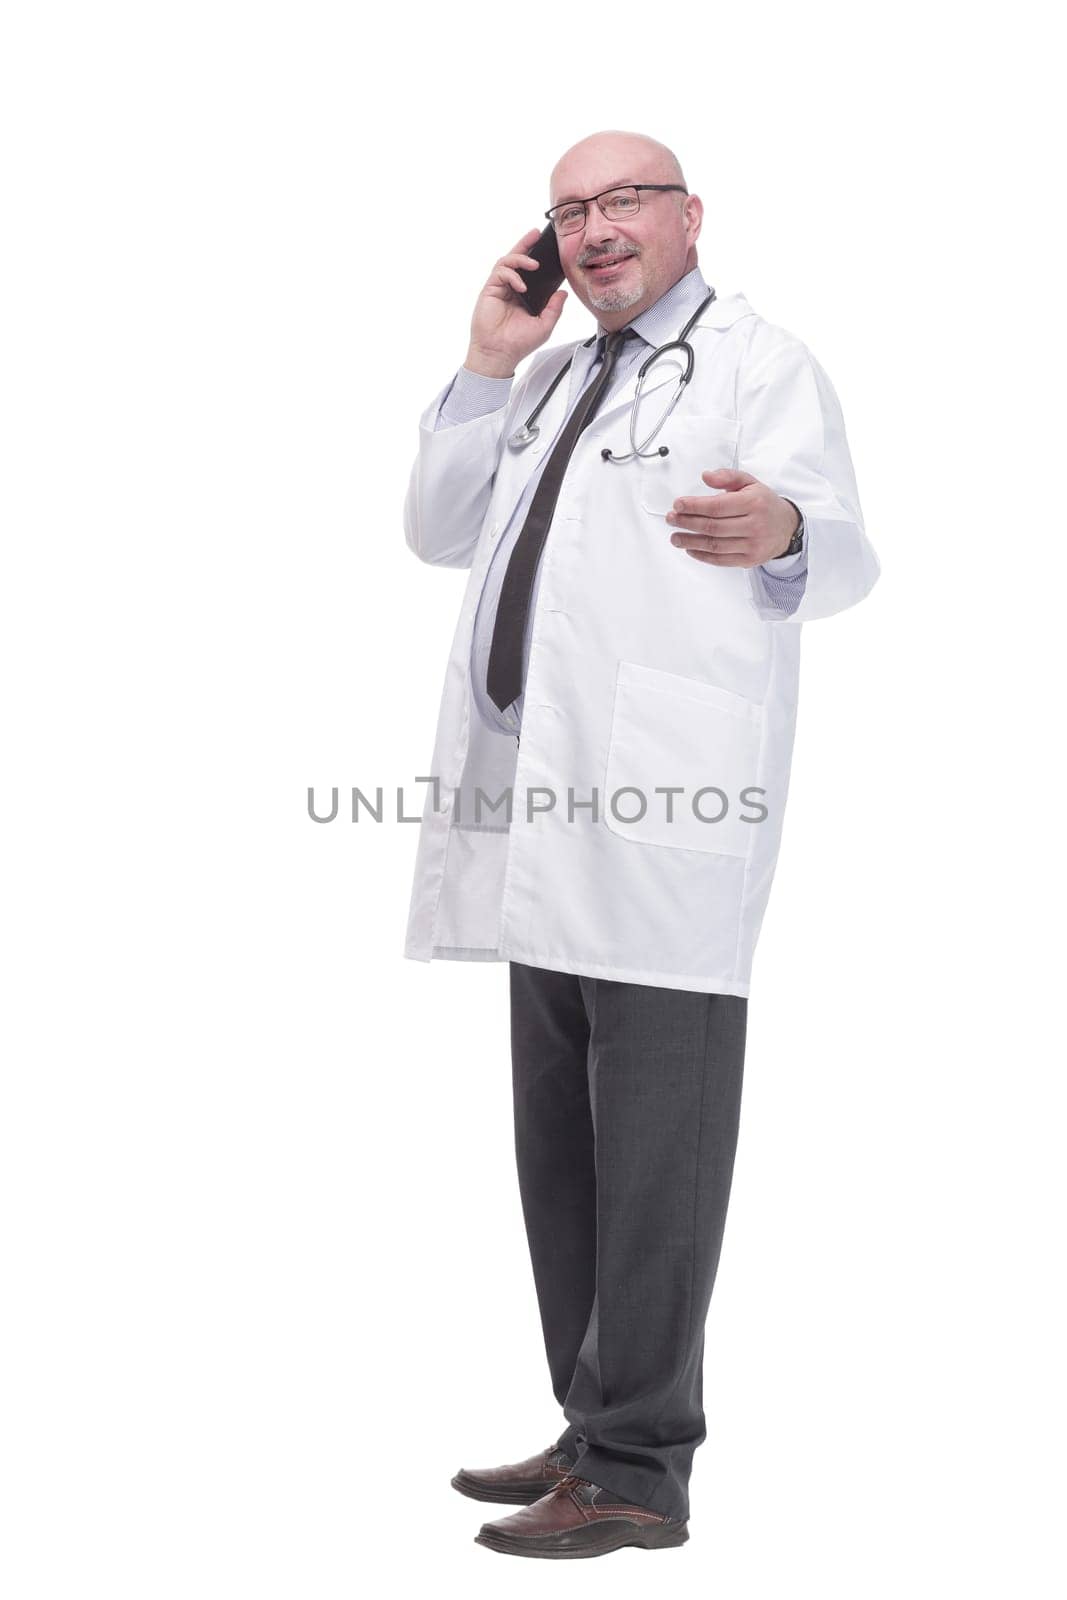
(693, 211)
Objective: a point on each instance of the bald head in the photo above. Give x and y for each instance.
(622, 156)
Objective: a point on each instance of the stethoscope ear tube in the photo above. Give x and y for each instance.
(607, 455)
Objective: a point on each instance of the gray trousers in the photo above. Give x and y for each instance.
(627, 1102)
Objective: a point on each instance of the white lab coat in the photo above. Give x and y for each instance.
(647, 670)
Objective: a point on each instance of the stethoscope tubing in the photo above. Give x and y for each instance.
(529, 431)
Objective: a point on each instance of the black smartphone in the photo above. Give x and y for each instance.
(543, 281)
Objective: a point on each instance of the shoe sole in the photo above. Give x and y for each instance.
(519, 1494)
(639, 1539)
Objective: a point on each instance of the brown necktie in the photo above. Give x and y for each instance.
(504, 675)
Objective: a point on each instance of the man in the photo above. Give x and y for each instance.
(609, 780)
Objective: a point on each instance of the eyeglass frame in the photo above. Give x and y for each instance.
(661, 187)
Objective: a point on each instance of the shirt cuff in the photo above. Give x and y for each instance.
(472, 395)
(783, 566)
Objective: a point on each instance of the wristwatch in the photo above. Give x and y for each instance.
(796, 543)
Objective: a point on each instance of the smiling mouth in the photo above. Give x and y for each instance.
(607, 263)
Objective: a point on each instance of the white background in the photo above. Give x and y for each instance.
(265, 1275)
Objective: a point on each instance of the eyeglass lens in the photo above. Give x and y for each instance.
(619, 203)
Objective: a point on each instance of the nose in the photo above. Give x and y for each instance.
(599, 234)
(599, 230)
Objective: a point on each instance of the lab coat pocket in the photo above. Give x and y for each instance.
(702, 742)
(696, 445)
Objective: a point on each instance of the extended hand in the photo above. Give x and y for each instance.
(744, 526)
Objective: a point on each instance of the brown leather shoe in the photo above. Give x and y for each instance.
(517, 1485)
(578, 1518)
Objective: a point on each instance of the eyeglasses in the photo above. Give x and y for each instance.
(614, 203)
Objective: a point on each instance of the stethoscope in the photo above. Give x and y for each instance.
(529, 430)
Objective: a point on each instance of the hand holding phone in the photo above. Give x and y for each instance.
(517, 309)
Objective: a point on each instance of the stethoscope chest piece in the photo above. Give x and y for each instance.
(523, 436)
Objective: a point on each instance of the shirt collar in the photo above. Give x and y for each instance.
(661, 322)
